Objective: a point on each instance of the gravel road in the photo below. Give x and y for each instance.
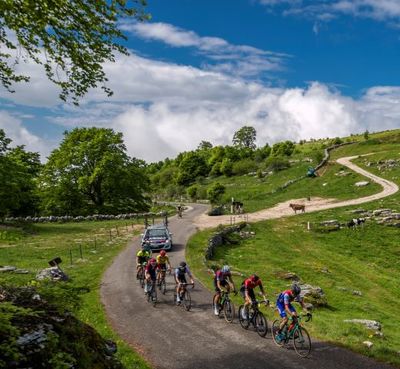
(170, 337)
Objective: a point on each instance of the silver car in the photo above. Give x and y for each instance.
(157, 237)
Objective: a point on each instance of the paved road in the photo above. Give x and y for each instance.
(169, 337)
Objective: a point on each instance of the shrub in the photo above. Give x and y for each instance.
(243, 167)
(276, 164)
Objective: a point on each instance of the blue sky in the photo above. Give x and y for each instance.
(201, 69)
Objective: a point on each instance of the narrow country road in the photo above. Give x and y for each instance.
(170, 337)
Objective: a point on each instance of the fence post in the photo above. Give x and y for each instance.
(117, 231)
(110, 235)
(80, 251)
(95, 243)
(308, 226)
(70, 255)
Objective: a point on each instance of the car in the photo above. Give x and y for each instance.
(157, 237)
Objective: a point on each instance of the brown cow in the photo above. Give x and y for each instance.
(296, 207)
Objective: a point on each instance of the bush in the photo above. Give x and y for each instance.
(243, 167)
(277, 164)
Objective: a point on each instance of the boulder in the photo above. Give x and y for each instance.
(370, 324)
(361, 183)
(369, 344)
(52, 273)
(7, 268)
(313, 295)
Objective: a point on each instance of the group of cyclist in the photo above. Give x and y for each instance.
(222, 280)
(155, 267)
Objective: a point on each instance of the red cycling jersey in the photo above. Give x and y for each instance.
(249, 284)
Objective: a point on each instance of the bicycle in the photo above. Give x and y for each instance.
(152, 294)
(186, 301)
(296, 332)
(162, 284)
(140, 274)
(255, 317)
(225, 305)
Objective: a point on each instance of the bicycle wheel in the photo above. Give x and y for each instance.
(302, 342)
(274, 332)
(141, 278)
(261, 324)
(187, 302)
(229, 311)
(153, 295)
(244, 322)
(163, 286)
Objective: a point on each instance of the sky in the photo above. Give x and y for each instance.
(202, 69)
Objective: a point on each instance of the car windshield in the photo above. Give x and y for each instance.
(156, 233)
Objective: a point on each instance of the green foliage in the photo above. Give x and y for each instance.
(243, 166)
(191, 166)
(193, 191)
(72, 49)
(216, 170)
(245, 137)
(226, 167)
(284, 148)
(276, 163)
(18, 172)
(215, 192)
(91, 173)
(205, 145)
(366, 135)
(262, 153)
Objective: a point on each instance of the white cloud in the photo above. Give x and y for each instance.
(20, 135)
(380, 10)
(243, 60)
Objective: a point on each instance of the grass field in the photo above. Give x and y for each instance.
(340, 262)
(100, 242)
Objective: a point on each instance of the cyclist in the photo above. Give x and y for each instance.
(180, 209)
(162, 261)
(180, 277)
(142, 256)
(286, 309)
(247, 292)
(150, 274)
(222, 279)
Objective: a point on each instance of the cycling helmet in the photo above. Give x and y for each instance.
(146, 248)
(182, 264)
(296, 289)
(152, 261)
(163, 253)
(225, 269)
(254, 278)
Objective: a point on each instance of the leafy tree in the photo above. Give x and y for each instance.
(71, 39)
(205, 145)
(91, 172)
(366, 135)
(18, 172)
(276, 163)
(191, 166)
(262, 153)
(245, 137)
(215, 192)
(192, 192)
(243, 167)
(226, 167)
(284, 148)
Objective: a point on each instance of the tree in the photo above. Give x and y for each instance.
(284, 148)
(245, 137)
(191, 166)
(215, 192)
(91, 172)
(18, 172)
(205, 145)
(366, 135)
(71, 39)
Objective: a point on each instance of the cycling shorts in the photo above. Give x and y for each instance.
(181, 278)
(281, 309)
(250, 292)
(162, 266)
(142, 259)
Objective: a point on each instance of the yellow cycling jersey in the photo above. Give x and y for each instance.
(143, 254)
(162, 259)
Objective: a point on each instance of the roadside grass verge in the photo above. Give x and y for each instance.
(100, 242)
(343, 263)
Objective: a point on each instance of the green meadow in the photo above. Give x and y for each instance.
(358, 270)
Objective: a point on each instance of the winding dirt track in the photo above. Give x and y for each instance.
(169, 337)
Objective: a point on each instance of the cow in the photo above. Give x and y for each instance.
(355, 222)
(296, 207)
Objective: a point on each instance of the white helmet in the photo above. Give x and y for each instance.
(225, 269)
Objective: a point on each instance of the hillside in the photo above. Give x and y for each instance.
(355, 268)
